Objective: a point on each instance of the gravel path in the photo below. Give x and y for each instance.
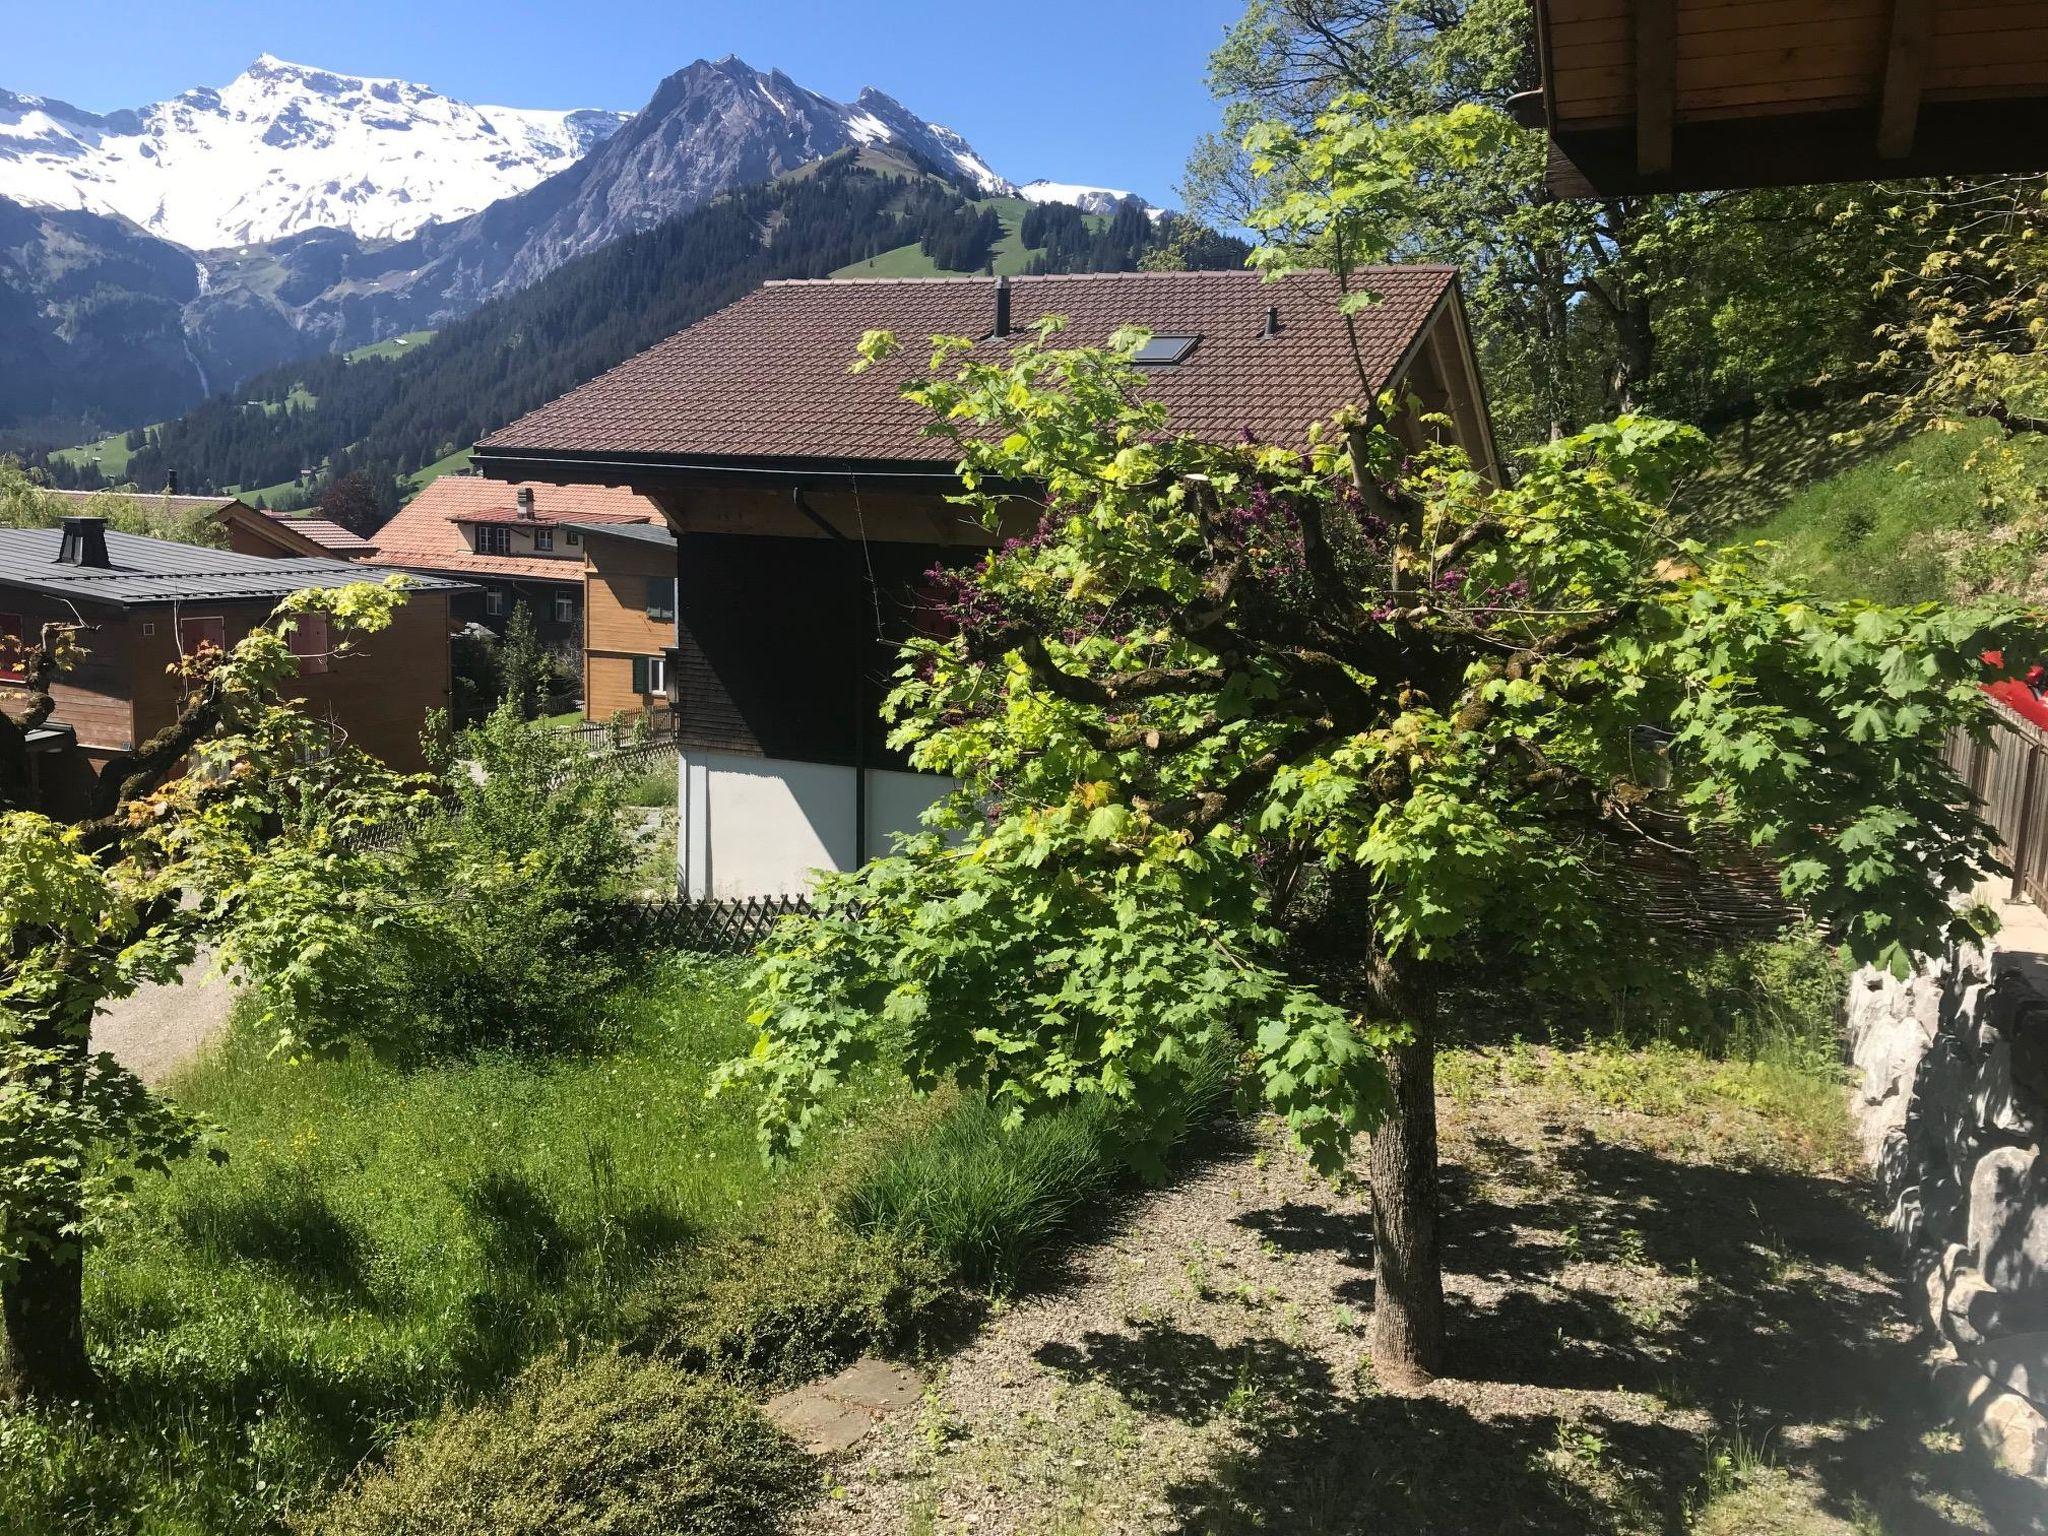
(161, 1028)
(1654, 1331)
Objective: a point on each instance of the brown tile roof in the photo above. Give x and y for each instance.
(325, 532)
(767, 378)
(425, 536)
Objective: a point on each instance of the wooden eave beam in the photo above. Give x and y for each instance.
(1656, 29)
(1905, 67)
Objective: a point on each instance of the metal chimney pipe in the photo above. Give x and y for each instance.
(1002, 306)
(170, 482)
(84, 543)
(1272, 320)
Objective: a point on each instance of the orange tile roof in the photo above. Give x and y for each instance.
(767, 377)
(325, 532)
(425, 536)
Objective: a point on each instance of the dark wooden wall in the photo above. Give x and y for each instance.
(788, 645)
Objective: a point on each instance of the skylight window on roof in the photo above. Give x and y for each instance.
(1164, 351)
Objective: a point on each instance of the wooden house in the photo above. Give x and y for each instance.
(808, 504)
(146, 602)
(511, 544)
(629, 618)
(245, 529)
(1691, 95)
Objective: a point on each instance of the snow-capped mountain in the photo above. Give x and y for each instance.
(1104, 200)
(296, 210)
(284, 148)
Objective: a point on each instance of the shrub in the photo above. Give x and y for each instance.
(986, 1197)
(609, 1446)
(793, 1300)
(1771, 1000)
(653, 789)
(512, 885)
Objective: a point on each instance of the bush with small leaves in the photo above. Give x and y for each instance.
(607, 1446)
(793, 1300)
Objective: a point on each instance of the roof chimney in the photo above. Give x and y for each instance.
(1272, 320)
(171, 482)
(1002, 307)
(524, 496)
(85, 543)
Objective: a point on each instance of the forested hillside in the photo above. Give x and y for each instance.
(305, 424)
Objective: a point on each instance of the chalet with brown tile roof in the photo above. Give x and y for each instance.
(145, 602)
(517, 543)
(247, 530)
(808, 502)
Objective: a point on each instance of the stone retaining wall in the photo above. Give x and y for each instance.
(1952, 1107)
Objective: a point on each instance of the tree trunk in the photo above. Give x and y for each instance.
(1636, 343)
(42, 1345)
(1408, 1284)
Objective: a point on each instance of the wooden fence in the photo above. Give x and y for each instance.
(2009, 782)
(656, 725)
(710, 927)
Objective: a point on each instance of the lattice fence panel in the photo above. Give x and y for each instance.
(709, 927)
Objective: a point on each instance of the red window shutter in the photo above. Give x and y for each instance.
(195, 633)
(309, 643)
(11, 648)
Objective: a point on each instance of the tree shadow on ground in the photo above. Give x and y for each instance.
(289, 1229)
(1708, 1307)
(1309, 1458)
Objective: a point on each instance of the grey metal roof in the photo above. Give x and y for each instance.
(642, 533)
(148, 571)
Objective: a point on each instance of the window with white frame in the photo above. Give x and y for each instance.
(494, 603)
(565, 608)
(544, 540)
(650, 676)
(493, 540)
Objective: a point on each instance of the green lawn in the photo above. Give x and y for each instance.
(419, 479)
(379, 1242)
(391, 347)
(285, 496)
(110, 452)
(1011, 255)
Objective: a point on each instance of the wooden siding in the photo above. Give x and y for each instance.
(786, 647)
(379, 697)
(892, 517)
(616, 628)
(1739, 58)
(92, 695)
(244, 540)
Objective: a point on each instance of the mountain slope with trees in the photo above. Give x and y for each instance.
(389, 418)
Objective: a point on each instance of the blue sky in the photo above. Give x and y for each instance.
(1103, 91)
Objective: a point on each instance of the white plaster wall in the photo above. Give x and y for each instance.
(753, 826)
(896, 800)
